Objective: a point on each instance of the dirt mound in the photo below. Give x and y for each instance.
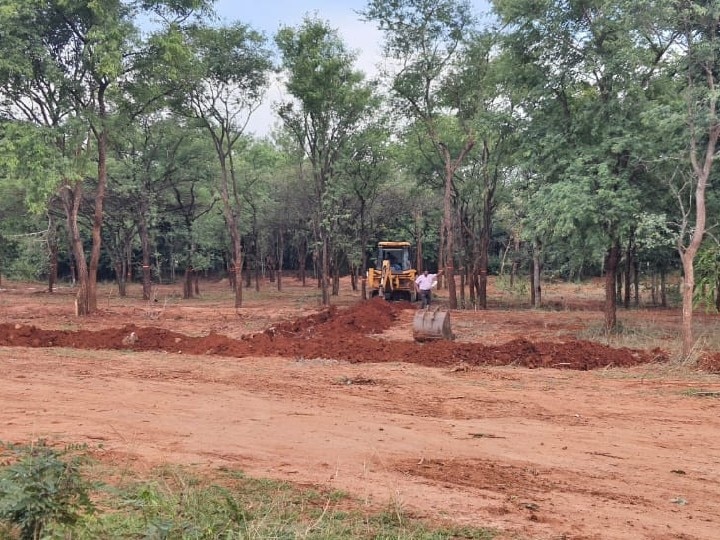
(338, 334)
(371, 317)
(710, 363)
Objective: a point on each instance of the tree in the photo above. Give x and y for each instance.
(162, 166)
(30, 167)
(365, 170)
(226, 79)
(66, 61)
(424, 38)
(588, 74)
(481, 77)
(681, 125)
(331, 102)
(699, 24)
(257, 165)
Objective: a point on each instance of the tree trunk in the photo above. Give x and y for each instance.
(325, 268)
(335, 281)
(128, 259)
(636, 278)
(449, 236)
(102, 142)
(515, 267)
(120, 276)
(72, 196)
(536, 296)
(71, 261)
(188, 283)
(233, 226)
(258, 272)
(121, 254)
(612, 261)
(281, 251)
(248, 270)
(53, 251)
(701, 170)
(484, 260)
(472, 290)
(663, 287)
(448, 214)
(442, 254)
(270, 267)
(302, 260)
(145, 247)
(532, 284)
(418, 243)
(653, 288)
(688, 286)
(628, 272)
(363, 248)
(231, 273)
(238, 275)
(482, 280)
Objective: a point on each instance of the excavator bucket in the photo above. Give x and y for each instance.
(429, 325)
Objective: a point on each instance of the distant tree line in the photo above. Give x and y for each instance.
(566, 139)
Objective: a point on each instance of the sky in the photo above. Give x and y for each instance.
(269, 16)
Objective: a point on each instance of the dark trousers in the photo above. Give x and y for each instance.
(425, 297)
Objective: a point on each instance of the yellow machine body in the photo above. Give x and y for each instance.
(393, 276)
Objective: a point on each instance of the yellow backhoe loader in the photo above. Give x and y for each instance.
(393, 277)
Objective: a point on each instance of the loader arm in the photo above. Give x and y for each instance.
(386, 282)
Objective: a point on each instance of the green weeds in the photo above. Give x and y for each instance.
(41, 486)
(172, 503)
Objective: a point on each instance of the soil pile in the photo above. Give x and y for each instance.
(349, 335)
(710, 363)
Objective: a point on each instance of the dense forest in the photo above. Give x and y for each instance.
(560, 138)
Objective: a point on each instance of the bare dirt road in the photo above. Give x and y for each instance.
(625, 451)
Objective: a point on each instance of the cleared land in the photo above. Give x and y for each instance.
(521, 424)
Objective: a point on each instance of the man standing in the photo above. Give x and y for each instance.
(424, 284)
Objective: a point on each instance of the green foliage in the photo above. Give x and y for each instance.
(174, 505)
(227, 73)
(707, 277)
(424, 36)
(332, 97)
(30, 259)
(520, 288)
(40, 485)
(31, 162)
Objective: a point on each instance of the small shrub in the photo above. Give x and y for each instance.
(40, 485)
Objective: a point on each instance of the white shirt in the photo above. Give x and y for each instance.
(424, 282)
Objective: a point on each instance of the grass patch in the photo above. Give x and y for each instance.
(644, 332)
(173, 502)
(641, 335)
(696, 392)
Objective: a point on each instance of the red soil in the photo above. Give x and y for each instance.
(349, 335)
(461, 432)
